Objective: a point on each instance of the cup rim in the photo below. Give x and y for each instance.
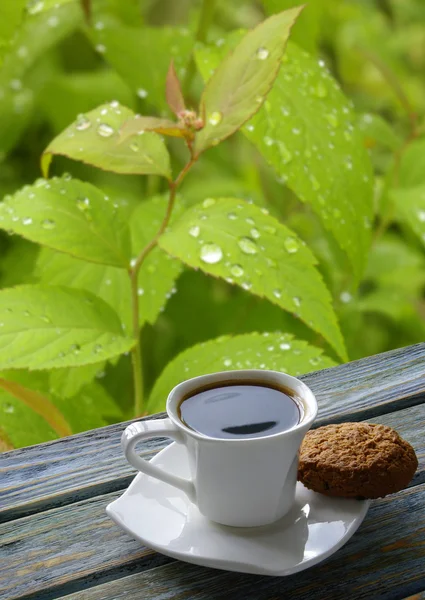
(302, 390)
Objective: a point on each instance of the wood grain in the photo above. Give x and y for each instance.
(77, 545)
(78, 467)
(384, 560)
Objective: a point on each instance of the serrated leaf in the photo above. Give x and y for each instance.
(410, 208)
(241, 82)
(141, 55)
(94, 139)
(377, 131)
(164, 126)
(46, 327)
(71, 216)
(240, 243)
(157, 276)
(412, 164)
(273, 351)
(305, 131)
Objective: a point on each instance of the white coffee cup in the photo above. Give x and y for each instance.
(243, 482)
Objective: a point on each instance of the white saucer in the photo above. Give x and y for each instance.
(163, 518)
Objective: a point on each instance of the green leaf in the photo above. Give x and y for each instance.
(273, 351)
(11, 14)
(307, 27)
(44, 327)
(66, 383)
(22, 425)
(377, 131)
(244, 245)
(94, 139)
(71, 216)
(37, 34)
(141, 55)
(242, 81)
(157, 277)
(412, 164)
(159, 272)
(90, 408)
(410, 208)
(305, 131)
(15, 112)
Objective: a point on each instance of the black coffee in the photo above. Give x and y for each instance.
(240, 410)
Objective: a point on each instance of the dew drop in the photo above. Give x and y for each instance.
(27, 221)
(97, 348)
(421, 215)
(208, 202)
(345, 297)
(142, 93)
(296, 300)
(270, 348)
(269, 229)
(262, 53)
(48, 224)
(236, 270)
(232, 216)
(284, 346)
(75, 348)
(35, 6)
(83, 204)
(8, 408)
(140, 292)
(194, 231)
(215, 118)
(255, 233)
(101, 48)
(247, 245)
(227, 362)
(249, 127)
(246, 285)
(277, 293)
(291, 245)
(105, 130)
(133, 262)
(211, 254)
(45, 318)
(134, 146)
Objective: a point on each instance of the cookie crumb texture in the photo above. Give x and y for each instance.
(356, 460)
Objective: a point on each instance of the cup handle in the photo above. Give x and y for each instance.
(149, 429)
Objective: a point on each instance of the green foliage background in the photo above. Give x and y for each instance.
(330, 178)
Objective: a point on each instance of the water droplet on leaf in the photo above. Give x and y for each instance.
(208, 202)
(142, 93)
(291, 245)
(105, 130)
(262, 53)
(296, 300)
(211, 254)
(215, 118)
(236, 270)
(48, 224)
(285, 346)
(247, 245)
(194, 231)
(277, 294)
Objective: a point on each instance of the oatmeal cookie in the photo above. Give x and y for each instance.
(356, 460)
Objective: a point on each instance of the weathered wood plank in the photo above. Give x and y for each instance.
(74, 468)
(383, 561)
(76, 544)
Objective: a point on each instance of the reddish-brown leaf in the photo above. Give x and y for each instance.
(173, 91)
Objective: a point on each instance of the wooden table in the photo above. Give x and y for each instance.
(56, 540)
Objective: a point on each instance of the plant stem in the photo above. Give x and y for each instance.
(205, 19)
(136, 355)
